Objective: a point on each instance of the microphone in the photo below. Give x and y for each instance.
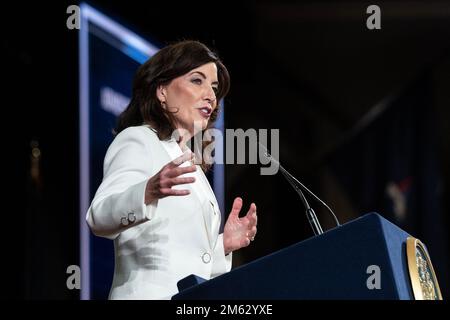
(310, 214)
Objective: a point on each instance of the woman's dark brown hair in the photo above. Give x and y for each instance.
(167, 64)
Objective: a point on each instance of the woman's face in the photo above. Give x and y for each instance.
(191, 97)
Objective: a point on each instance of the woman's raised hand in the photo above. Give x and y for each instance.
(238, 232)
(160, 185)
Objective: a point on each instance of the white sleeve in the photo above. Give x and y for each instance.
(119, 201)
(221, 262)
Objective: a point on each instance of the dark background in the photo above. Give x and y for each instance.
(356, 109)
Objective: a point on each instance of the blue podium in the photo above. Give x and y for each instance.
(339, 264)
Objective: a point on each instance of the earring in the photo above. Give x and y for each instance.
(163, 104)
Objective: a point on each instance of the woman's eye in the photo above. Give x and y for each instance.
(197, 81)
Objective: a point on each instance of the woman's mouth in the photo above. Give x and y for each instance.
(205, 112)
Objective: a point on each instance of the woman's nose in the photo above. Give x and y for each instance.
(210, 95)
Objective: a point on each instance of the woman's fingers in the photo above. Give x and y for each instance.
(188, 155)
(160, 185)
(252, 233)
(253, 221)
(251, 215)
(170, 182)
(252, 208)
(237, 205)
(174, 192)
(178, 171)
(177, 181)
(169, 176)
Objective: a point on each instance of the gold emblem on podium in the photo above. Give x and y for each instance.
(423, 279)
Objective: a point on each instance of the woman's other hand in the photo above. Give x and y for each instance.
(238, 232)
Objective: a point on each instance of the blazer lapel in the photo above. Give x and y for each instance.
(215, 206)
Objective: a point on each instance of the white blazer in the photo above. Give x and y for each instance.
(155, 245)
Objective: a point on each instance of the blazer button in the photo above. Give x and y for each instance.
(124, 221)
(206, 257)
(131, 217)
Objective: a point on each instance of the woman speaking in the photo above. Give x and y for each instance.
(155, 201)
